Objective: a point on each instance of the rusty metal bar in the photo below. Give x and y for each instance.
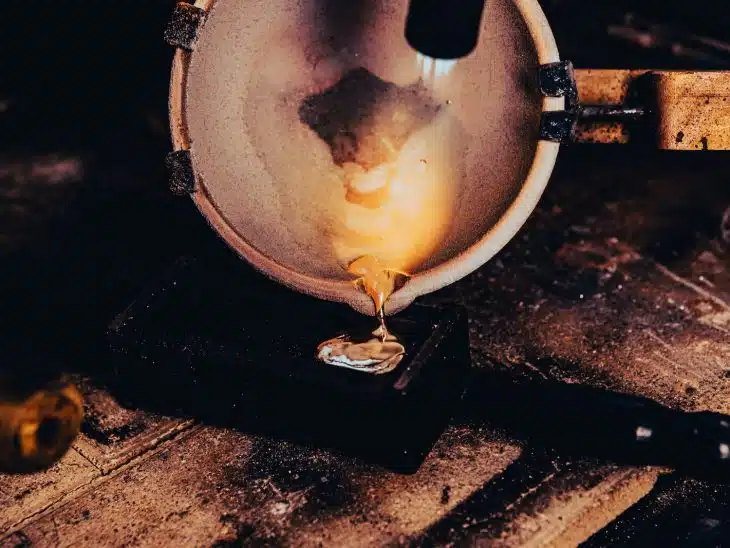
(615, 113)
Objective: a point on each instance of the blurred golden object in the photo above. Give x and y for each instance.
(37, 426)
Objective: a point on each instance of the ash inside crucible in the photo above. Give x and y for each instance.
(366, 120)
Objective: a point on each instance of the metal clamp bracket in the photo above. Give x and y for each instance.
(182, 29)
(564, 126)
(558, 80)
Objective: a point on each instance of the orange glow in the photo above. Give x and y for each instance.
(400, 212)
(376, 280)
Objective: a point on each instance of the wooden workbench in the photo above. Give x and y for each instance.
(621, 278)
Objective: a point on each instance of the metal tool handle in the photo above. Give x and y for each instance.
(585, 421)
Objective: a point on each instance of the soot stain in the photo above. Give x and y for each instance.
(21, 496)
(366, 120)
(93, 429)
(291, 469)
(21, 540)
(560, 368)
(245, 533)
(445, 494)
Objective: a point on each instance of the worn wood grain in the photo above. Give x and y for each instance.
(693, 109)
(220, 486)
(588, 499)
(114, 435)
(610, 285)
(24, 496)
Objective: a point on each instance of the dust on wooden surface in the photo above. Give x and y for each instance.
(627, 285)
(114, 435)
(221, 487)
(24, 496)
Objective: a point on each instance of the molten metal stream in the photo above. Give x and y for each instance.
(398, 202)
(380, 351)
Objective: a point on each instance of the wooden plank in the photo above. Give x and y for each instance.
(587, 498)
(583, 295)
(221, 486)
(24, 496)
(690, 513)
(113, 435)
(693, 110)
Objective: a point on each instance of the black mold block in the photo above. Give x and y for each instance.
(230, 347)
